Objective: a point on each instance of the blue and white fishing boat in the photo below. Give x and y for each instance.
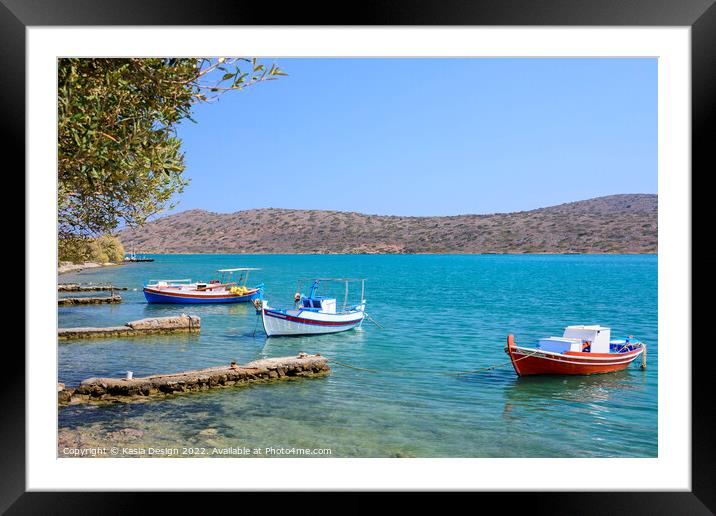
(222, 290)
(314, 314)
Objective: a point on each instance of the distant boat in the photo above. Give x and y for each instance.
(581, 350)
(133, 257)
(314, 314)
(222, 290)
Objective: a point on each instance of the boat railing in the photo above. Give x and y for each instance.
(626, 347)
(169, 281)
(342, 310)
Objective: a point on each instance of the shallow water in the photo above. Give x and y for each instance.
(440, 313)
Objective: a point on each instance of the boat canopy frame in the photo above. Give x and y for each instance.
(315, 282)
(225, 276)
(243, 277)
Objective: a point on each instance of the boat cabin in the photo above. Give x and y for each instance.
(324, 304)
(594, 339)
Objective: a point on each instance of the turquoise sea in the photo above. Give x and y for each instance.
(440, 313)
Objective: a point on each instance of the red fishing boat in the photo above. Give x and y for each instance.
(581, 350)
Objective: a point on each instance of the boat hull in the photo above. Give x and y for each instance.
(177, 297)
(531, 361)
(299, 322)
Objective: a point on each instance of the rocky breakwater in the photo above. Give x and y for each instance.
(157, 386)
(69, 301)
(151, 326)
(79, 287)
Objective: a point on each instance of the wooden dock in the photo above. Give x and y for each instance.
(71, 301)
(152, 326)
(159, 386)
(80, 287)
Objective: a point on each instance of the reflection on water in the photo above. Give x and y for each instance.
(594, 388)
(410, 407)
(591, 408)
(327, 345)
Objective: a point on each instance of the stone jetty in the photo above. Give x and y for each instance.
(67, 301)
(152, 326)
(80, 287)
(158, 386)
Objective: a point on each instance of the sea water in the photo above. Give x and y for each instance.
(439, 314)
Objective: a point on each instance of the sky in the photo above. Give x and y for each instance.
(441, 136)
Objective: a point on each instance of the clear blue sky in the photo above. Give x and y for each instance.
(427, 136)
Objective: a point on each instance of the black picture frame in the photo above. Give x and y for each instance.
(700, 15)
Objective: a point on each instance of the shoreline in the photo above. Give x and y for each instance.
(67, 267)
(209, 253)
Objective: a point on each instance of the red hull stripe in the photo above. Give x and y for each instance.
(192, 296)
(533, 365)
(279, 315)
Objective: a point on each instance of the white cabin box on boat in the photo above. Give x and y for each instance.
(574, 337)
(327, 305)
(560, 344)
(599, 336)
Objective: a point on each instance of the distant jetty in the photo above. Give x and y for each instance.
(86, 287)
(133, 257)
(158, 386)
(134, 260)
(69, 301)
(151, 326)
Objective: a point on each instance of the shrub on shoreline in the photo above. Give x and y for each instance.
(99, 250)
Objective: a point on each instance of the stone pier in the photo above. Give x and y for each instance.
(70, 301)
(158, 386)
(152, 326)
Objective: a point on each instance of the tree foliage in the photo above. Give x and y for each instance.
(119, 157)
(80, 249)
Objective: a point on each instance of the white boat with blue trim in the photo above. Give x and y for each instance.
(314, 314)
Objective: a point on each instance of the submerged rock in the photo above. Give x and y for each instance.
(402, 455)
(125, 434)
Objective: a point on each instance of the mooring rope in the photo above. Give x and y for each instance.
(490, 368)
(457, 373)
(374, 321)
(423, 373)
(256, 325)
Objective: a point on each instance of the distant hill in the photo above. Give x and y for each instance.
(612, 224)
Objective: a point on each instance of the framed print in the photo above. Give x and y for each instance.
(434, 248)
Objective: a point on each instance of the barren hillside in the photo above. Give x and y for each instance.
(612, 224)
